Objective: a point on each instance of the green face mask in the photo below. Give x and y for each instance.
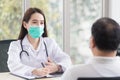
(36, 31)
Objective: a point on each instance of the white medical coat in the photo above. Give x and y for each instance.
(25, 65)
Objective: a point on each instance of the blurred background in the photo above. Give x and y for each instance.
(69, 21)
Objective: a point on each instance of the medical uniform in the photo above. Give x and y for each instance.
(96, 67)
(26, 64)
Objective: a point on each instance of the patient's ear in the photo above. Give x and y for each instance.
(92, 42)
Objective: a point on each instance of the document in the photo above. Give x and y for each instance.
(36, 77)
(24, 76)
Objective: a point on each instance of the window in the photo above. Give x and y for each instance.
(10, 18)
(54, 14)
(82, 15)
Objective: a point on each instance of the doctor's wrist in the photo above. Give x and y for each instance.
(59, 68)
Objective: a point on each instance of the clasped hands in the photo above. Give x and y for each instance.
(50, 67)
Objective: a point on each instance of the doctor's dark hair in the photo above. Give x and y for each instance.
(27, 17)
(106, 34)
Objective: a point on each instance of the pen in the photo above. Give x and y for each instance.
(42, 64)
(43, 67)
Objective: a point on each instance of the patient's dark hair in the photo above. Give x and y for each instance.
(106, 34)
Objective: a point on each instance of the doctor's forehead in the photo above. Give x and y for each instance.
(37, 17)
(36, 20)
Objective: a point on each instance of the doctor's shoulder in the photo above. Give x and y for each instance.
(14, 44)
(48, 40)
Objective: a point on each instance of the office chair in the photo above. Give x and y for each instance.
(99, 78)
(4, 45)
(118, 51)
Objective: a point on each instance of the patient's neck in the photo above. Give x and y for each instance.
(102, 53)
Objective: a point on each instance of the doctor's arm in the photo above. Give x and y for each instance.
(61, 59)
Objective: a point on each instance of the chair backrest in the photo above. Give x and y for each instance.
(4, 46)
(118, 51)
(99, 78)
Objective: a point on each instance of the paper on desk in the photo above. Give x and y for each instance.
(24, 76)
(47, 76)
(33, 77)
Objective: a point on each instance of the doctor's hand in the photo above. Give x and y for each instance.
(52, 66)
(41, 71)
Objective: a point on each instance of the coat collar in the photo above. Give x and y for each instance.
(25, 42)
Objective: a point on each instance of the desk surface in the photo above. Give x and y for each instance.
(8, 76)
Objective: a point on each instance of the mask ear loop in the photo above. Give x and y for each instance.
(22, 50)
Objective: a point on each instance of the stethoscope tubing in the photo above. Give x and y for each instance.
(28, 53)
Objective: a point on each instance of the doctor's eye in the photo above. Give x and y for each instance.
(34, 22)
(42, 22)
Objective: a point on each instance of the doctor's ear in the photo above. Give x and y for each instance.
(25, 24)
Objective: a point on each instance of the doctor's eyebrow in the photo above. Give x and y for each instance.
(37, 20)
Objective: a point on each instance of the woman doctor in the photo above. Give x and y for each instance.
(34, 54)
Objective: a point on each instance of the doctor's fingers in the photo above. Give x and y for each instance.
(50, 63)
(43, 71)
(52, 68)
(49, 59)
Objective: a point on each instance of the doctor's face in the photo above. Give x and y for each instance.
(36, 19)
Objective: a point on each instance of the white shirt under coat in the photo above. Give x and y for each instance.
(25, 65)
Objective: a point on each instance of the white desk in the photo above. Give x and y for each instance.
(8, 76)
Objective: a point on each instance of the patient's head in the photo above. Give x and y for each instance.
(106, 34)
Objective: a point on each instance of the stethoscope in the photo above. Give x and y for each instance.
(23, 51)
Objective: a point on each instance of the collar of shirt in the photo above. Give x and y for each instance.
(104, 60)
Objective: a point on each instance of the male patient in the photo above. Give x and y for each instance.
(103, 43)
